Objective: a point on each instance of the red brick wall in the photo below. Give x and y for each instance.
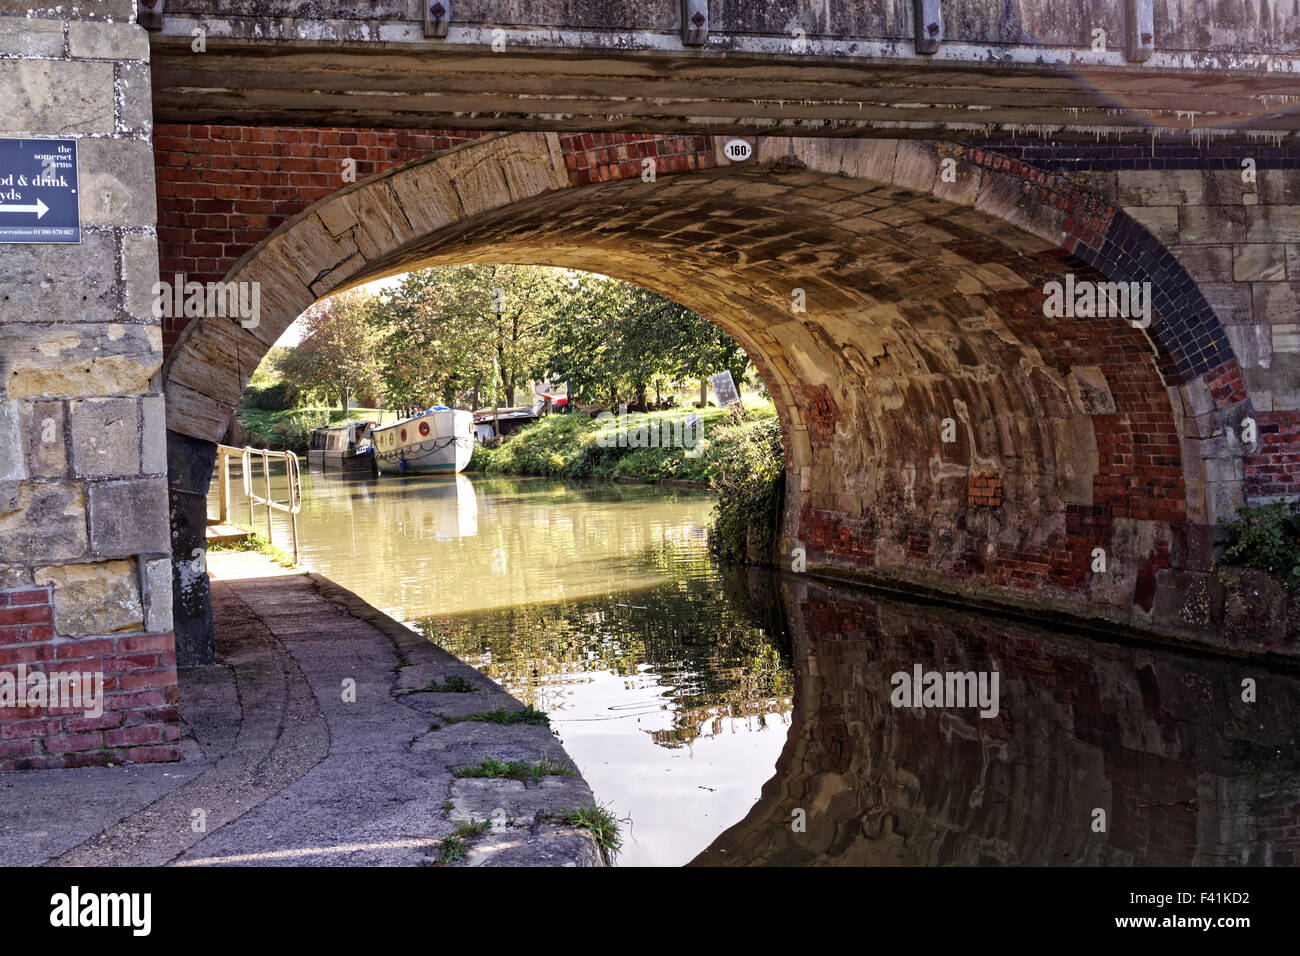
(223, 189)
(1275, 468)
(140, 718)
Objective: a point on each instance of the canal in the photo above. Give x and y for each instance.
(748, 717)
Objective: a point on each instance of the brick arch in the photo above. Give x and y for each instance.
(923, 305)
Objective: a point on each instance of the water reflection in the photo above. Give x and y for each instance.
(1186, 771)
(686, 693)
(667, 679)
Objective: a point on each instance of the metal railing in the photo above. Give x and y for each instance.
(293, 478)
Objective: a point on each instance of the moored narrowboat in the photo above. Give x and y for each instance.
(347, 447)
(435, 442)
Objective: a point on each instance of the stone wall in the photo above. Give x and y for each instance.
(85, 572)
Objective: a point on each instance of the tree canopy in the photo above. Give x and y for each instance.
(441, 334)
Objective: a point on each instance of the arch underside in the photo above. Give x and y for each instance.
(939, 428)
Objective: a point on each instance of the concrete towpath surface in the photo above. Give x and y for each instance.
(312, 741)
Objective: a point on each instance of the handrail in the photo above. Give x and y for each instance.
(293, 476)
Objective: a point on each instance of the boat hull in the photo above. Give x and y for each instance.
(439, 442)
(353, 463)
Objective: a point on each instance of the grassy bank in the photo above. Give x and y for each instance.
(577, 447)
(290, 430)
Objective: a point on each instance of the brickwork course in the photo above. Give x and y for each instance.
(886, 279)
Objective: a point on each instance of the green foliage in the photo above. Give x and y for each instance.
(453, 849)
(338, 351)
(525, 716)
(612, 341)
(255, 542)
(455, 684)
(597, 820)
(533, 770)
(569, 446)
(288, 430)
(274, 397)
(445, 332)
(751, 490)
(1268, 537)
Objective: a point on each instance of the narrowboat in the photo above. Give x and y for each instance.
(347, 446)
(438, 441)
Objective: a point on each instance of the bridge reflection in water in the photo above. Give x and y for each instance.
(686, 692)
(1185, 770)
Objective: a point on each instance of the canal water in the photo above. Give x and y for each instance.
(742, 717)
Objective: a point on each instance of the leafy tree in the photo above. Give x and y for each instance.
(452, 330)
(337, 353)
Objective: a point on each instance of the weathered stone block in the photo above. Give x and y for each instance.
(42, 522)
(1160, 221)
(1205, 263)
(60, 282)
(1211, 224)
(158, 603)
(1090, 390)
(79, 360)
(135, 99)
(1252, 344)
(13, 463)
(105, 437)
(1254, 606)
(1265, 262)
(23, 37)
(128, 517)
(114, 9)
(1276, 302)
(1272, 223)
(94, 598)
(1286, 338)
(57, 96)
(140, 255)
(153, 431)
(1159, 187)
(108, 41)
(117, 183)
(43, 439)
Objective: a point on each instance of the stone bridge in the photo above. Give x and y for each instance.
(1087, 69)
(946, 431)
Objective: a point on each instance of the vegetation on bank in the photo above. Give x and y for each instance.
(290, 429)
(255, 542)
(597, 820)
(533, 770)
(1267, 537)
(577, 447)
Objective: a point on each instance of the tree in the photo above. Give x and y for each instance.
(450, 330)
(337, 354)
(614, 341)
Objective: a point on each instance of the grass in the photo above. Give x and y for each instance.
(569, 446)
(533, 770)
(452, 849)
(598, 820)
(525, 716)
(455, 684)
(255, 542)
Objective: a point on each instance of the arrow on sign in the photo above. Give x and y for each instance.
(40, 209)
